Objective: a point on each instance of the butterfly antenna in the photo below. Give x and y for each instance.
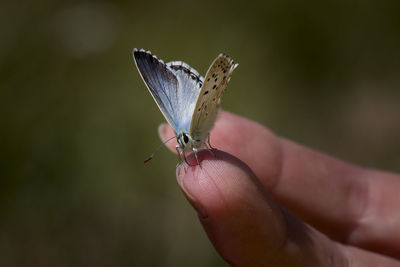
(158, 148)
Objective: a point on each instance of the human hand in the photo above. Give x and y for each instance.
(282, 204)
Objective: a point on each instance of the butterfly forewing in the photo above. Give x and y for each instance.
(160, 81)
(174, 86)
(207, 105)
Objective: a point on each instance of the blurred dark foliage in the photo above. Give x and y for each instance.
(77, 121)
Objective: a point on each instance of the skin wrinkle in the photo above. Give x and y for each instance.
(349, 258)
(357, 257)
(315, 246)
(306, 240)
(375, 217)
(285, 238)
(366, 197)
(346, 259)
(342, 260)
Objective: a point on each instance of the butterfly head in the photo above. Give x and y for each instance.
(186, 141)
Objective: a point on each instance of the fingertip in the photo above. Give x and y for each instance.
(197, 181)
(166, 132)
(230, 200)
(219, 173)
(219, 176)
(163, 131)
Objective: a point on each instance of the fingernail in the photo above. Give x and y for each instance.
(192, 200)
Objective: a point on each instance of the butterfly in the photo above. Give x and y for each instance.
(188, 101)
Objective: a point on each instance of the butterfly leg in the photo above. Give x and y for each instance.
(180, 161)
(209, 146)
(208, 141)
(210, 149)
(177, 147)
(195, 155)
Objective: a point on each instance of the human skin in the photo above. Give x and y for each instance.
(267, 201)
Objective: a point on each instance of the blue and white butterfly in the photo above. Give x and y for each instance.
(189, 102)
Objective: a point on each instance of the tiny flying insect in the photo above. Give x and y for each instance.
(189, 102)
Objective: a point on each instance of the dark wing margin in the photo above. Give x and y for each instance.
(160, 81)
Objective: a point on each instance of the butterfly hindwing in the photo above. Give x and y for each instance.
(190, 83)
(207, 105)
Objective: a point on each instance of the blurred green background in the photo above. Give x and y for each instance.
(77, 121)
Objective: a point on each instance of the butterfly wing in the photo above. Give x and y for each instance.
(160, 81)
(208, 102)
(174, 86)
(190, 83)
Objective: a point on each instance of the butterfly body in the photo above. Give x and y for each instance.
(189, 102)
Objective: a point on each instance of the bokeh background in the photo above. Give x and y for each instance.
(77, 121)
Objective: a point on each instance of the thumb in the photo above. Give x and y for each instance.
(242, 221)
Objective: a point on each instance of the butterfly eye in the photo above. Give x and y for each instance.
(185, 138)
